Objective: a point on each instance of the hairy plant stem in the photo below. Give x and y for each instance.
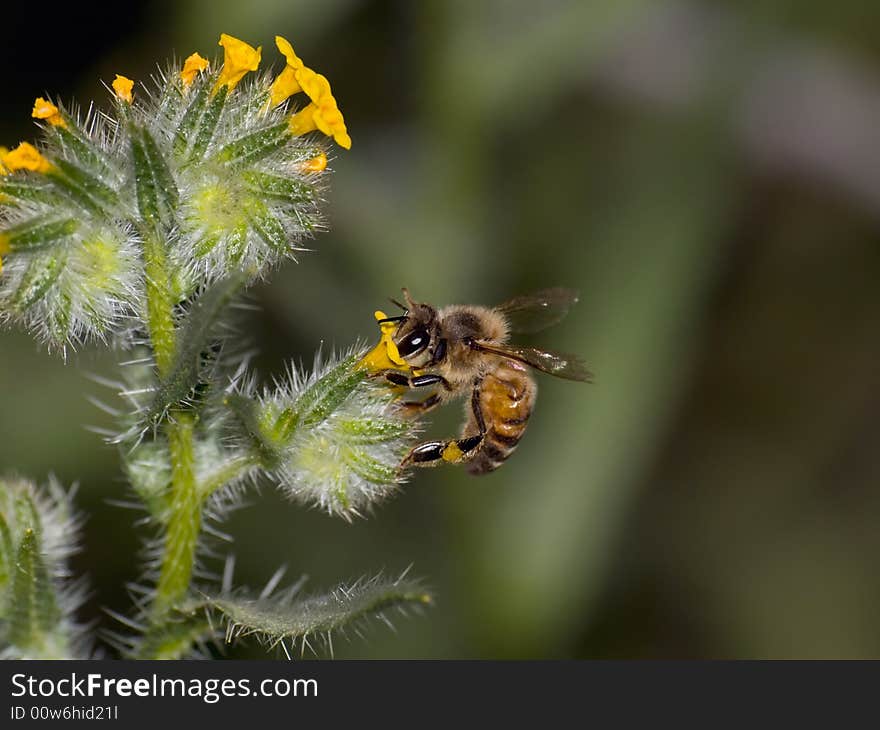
(184, 522)
(160, 303)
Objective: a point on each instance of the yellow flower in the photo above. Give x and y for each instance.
(385, 355)
(238, 59)
(4, 248)
(287, 82)
(25, 157)
(316, 164)
(193, 66)
(323, 113)
(123, 86)
(44, 109)
(3, 152)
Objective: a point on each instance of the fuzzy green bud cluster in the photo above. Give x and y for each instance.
(191, 178)
(37, 598)
(330, 439)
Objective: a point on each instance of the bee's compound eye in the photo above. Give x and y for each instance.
(414, 342)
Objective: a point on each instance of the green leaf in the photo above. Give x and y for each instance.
(145, 182)
(373, 430)
(275, 620)
(328, 392)
(157, 193)
(83, 188)
(27, 516)
(267, 226)
(236, 244)
(190, 121)
(148, 469)
(27, 189)
(42, 272)
(58, 322)
(284, 189)
(192, 355)
(32, 610)
(80, 147)
(206, 244)
(39, 233)
(167, 188)
(207, 124)
(247, 417)
(369, 468)
(255, 146)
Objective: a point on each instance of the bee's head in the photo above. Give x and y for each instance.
(417, 334)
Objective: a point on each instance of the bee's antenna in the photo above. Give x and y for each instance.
(398, 304)
(392, 319)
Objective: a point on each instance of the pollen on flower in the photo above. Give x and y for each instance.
(238, 59)
(123, 86)
(44, 109)
(25, 157)
(322, 113)
(287, 83)
(385, 355)
(192, 67)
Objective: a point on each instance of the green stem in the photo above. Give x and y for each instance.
(160, 304)
(187, 495)
(185, 521)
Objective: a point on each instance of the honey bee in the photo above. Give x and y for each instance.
(461, 350)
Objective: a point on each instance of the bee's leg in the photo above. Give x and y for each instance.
(454, 451)
(432, 453)
(416, 381)
(416, 409)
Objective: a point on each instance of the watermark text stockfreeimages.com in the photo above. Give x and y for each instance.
(210, 690)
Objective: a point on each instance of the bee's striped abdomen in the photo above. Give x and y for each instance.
(506, 399)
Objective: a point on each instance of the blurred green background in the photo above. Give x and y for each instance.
(708, 175)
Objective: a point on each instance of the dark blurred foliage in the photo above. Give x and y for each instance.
(708, 175)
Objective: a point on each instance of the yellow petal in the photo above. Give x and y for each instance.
(314, 84)
(316, 164)
(385, 355)
(26, 157)
(123, 86)
(286, 49)
(285, 85)
(192, 67)
(238, 59)
(303, 121)
(3, 152)
(329, 120)
(342, 139)
(44, 109)
(323, 115)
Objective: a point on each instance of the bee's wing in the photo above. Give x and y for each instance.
(537, 311)
(559, 364)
